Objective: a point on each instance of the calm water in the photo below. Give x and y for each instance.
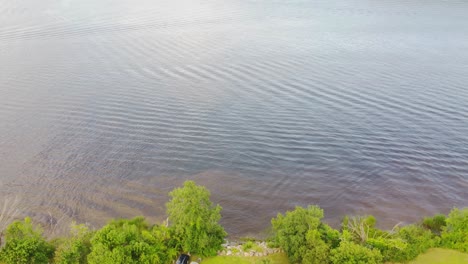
(359, 106)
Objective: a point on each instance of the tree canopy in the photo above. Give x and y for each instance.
(194, 220)
(25, 244)
(193, 227)
(302, 235)
(130, 241)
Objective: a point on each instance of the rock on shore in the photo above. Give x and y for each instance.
(247, 249)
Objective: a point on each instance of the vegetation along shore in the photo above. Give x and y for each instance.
(192, 227)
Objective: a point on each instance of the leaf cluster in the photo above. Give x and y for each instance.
(302, 235)
(455, 233)
(25, 244)
(194, 220)
(305, 239)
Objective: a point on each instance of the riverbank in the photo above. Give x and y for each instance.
(432, 256)
(193, 226)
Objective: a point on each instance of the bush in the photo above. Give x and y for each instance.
(74, 250)
(247, 245)
(329, 235)
(130, 241)
(317, 250)
(194, 220)
(362, 228)
(351, 253)
(25, 244)
(390, 248)
(400, 244)
(300, 234)
(394, 245)
(455, 233)
(435, 223)
(418, 240)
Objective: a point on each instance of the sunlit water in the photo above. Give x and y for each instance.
(358, 106)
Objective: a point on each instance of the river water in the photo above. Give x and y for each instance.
(359, 106)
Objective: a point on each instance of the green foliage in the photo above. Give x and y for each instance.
(247, 245)
(75, 248)
(390, 248)
(397, 245)
(455, 233)
(195, 228)
(301, 234)
(130, 241)
(194, 220)
(362, 231)
(317, 250)
(362, 228)
(435, 223)
(235, 250)
(351, 253)
(25, 244)
(329, 235)
(416, 240)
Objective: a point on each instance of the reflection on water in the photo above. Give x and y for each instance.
(358, 106)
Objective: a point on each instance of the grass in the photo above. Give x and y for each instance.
(441, 256)
(432, 256)
(278, 258)
(251, 245)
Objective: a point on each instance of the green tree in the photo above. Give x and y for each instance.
(302, 236)
(74, 249)
(416, 240)
(351, 253)
(130, 241)
(25, 244)
(194, 220)
(329, 235)
(455, 233)
(362, 231)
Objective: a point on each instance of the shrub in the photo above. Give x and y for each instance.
(247, 245)
(130, 241)
(25, 244)
(235, 250)
(455, 233)
(362, 228)
(435, 223)
(74, 249)
(194, 220)
(389, 247)
(317, 250)
(351, 253)
(329, 235)
(299, 234)
(417, 239)
(399, 244)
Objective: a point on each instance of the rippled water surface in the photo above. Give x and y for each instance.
(359, 106)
